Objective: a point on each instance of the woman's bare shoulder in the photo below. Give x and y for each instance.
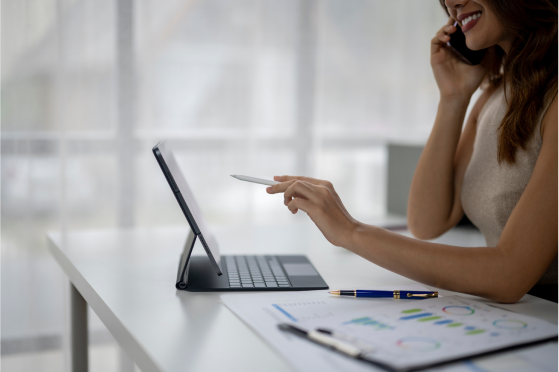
(486, 93)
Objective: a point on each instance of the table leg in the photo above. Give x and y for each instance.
(78, 314)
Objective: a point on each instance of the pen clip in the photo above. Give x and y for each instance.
(424, 295)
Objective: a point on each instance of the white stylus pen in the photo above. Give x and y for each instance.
(254, 180)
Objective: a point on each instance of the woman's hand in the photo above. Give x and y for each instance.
(321, 202)
(454, 77)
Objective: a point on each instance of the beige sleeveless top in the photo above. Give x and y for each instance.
(491, 190)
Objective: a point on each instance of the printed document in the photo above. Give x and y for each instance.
(413, 332)
(420, 333)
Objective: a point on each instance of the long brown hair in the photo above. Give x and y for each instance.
(528, 71)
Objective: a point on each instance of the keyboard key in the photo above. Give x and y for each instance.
(284, 285)
(271, 284)
(248, 286)
(235, 286)
(259, 285)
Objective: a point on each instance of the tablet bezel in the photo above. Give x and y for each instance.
(181, 190)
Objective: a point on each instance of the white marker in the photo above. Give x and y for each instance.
(254, 180)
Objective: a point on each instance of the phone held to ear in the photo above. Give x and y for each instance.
(458, 44)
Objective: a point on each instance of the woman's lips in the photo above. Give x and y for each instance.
(470, 25)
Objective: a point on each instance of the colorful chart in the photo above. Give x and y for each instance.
(284, 312)
(509, 324)
(411, 311)
(458, 310)
(418, 344)
(475, 332)
(415, 316)
(367, 321)
(446, 321)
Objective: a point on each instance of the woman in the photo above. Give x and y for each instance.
(501, 170)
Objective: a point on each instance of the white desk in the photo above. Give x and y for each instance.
(128, 278)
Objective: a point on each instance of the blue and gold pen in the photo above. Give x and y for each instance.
(410, 295)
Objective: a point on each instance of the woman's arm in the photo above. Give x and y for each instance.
(434, 202)
(504, 273)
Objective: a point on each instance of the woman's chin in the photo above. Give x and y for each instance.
(476, 46)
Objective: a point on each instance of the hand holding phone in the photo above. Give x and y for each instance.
(454, 76)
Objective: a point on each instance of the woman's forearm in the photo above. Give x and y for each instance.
(432, 191)
(483, 271)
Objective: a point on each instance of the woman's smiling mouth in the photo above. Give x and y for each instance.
(469, 20)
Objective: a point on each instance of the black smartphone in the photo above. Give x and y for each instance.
(458, 44)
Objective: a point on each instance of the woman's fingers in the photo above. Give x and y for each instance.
(302, 204)
(451, 21)
(280, 187)
(319, 200)
(300, 189)
(443, 35)
(314, 181)
(287, 181)
(286, 178)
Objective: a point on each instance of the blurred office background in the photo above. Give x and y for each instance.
(255, 87)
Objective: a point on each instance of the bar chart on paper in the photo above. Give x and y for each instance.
(264, 311)
(435, 330)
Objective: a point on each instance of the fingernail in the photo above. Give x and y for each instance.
(268, 189)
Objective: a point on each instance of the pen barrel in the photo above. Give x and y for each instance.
(365, 293)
